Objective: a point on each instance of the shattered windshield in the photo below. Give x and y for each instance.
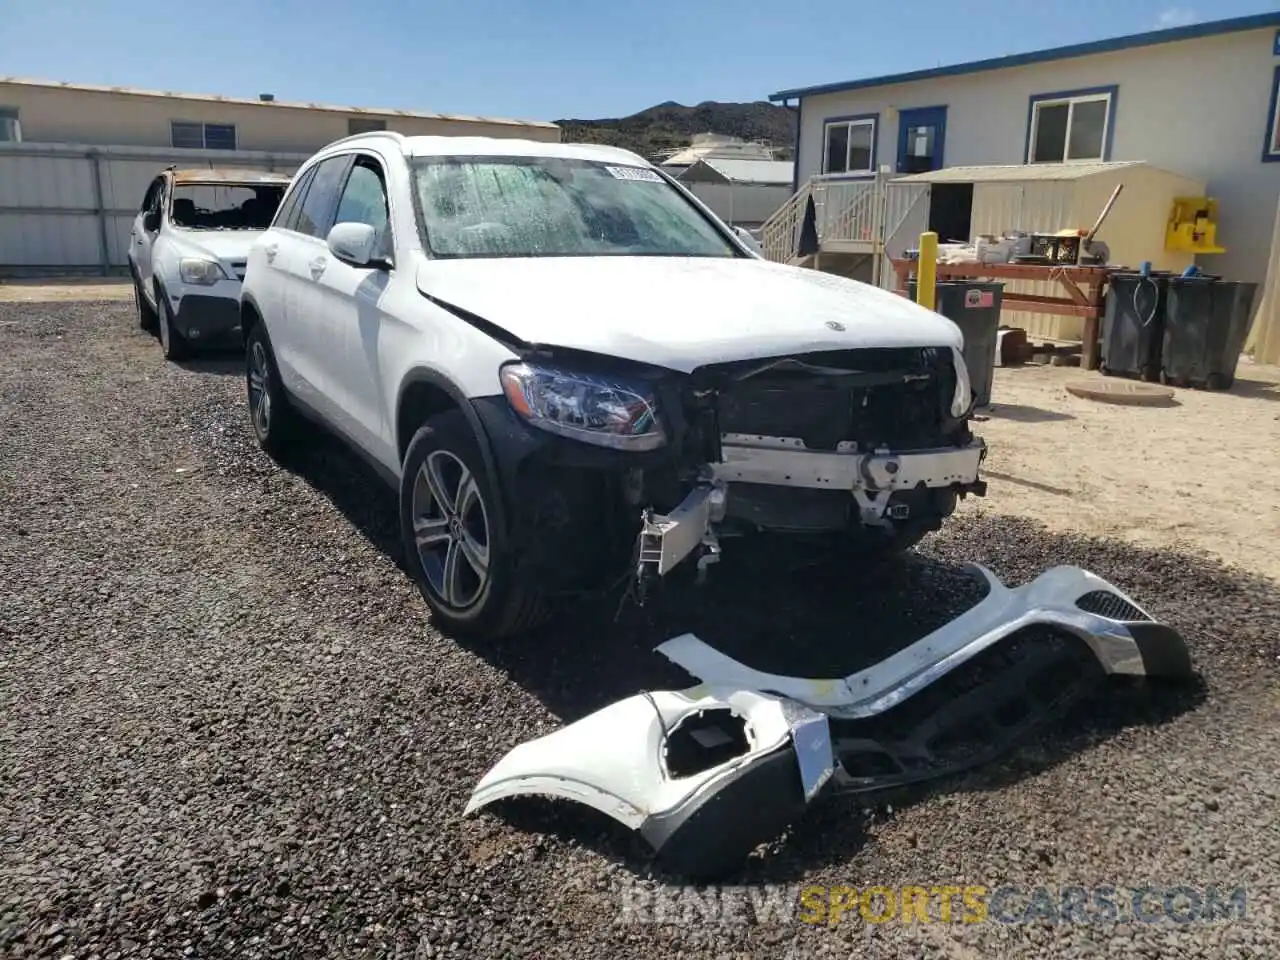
(557, 207)
(225, 206)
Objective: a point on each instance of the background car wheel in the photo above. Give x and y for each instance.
(454, 544)
(172, 343)
(275, 424)
(146, 312)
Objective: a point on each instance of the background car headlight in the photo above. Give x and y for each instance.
(606, 411)
(202, 272)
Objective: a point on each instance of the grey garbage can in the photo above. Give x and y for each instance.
(974, 307)
(1205, 329)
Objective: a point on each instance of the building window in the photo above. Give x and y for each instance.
(364, 125)
(1271, 148)
(1075, 125)
(10, 129)
(850, 145)
(202, 136)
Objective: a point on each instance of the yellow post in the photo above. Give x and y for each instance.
(927, 270)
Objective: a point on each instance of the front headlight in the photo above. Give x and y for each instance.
(202, 272)
(962, 402)
(607, 411)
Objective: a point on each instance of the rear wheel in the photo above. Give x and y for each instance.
(455, 548)
(275, 423)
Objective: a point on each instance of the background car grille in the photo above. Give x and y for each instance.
(907, 406)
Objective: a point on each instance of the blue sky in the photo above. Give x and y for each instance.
(542, 59)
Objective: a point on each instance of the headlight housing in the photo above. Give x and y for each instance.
(202, 272)
(962, 402)
(603, 410)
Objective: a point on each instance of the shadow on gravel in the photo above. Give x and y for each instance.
(227, 362)
(810, 617)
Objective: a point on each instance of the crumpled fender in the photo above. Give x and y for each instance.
(622, 760)
(1127, 642)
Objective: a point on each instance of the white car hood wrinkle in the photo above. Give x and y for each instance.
(681, 312)
(222, 245)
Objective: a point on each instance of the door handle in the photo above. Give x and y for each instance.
(271, 250)
(317, 267)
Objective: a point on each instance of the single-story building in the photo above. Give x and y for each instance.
(1198, 101)
(44, 111)
(741, 192)
(75, 159)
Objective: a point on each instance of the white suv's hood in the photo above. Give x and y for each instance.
(225, 245)
(681, 313)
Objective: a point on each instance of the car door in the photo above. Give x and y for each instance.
(142, 239)
(268, 280)
(345, 304)
(303, 340)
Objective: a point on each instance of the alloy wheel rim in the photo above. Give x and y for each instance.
(259, 392)
(451, 529)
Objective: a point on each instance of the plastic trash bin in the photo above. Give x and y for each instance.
(1133, 326)
(974, 307)
(1206, 324)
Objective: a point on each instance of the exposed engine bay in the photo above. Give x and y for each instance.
(871, 442)
(868, 445)
(707, 774)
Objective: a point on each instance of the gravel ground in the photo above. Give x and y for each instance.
(228, 729)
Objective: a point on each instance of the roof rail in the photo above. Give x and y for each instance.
(399, 138)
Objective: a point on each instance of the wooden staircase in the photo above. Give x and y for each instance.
(848, 218)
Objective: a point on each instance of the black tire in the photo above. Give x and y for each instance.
(173, 344)
(146, 312)
(464, 568)
(276, 426)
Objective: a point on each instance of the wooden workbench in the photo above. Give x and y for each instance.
(1085, 288)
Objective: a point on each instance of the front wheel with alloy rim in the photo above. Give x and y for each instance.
(454, 543)
(274, 423)
(172, 343)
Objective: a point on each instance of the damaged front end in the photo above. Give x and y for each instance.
(707, 774)
(869, 445)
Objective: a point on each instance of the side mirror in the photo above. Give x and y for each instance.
(151, 221)
(354, 243)
(748, 241)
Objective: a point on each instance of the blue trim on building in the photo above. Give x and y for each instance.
(1269, 131)
(875, 143)
(1151, 38)
(928, 113)
(1112, 91)
(1275, 45)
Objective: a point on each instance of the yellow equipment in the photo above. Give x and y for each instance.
(927, 270)
(1193, 226)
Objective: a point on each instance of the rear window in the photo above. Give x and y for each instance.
(225, 206)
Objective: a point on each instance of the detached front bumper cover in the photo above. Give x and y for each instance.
(707, 774)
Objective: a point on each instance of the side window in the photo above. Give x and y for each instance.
(152, 198)
(286, 216)
(316, 213)
(364, 200)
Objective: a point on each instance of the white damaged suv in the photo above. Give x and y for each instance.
(570, 370)
(187, 252)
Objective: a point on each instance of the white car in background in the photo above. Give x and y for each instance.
(573, 373)
(187, 252)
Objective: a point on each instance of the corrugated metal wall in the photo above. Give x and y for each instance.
(1034, 207)
(742, 203)
(67, 208)
(1264, 335)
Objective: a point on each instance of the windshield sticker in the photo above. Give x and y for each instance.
(635, 173)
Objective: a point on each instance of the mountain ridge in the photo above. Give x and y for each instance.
(669, 126)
